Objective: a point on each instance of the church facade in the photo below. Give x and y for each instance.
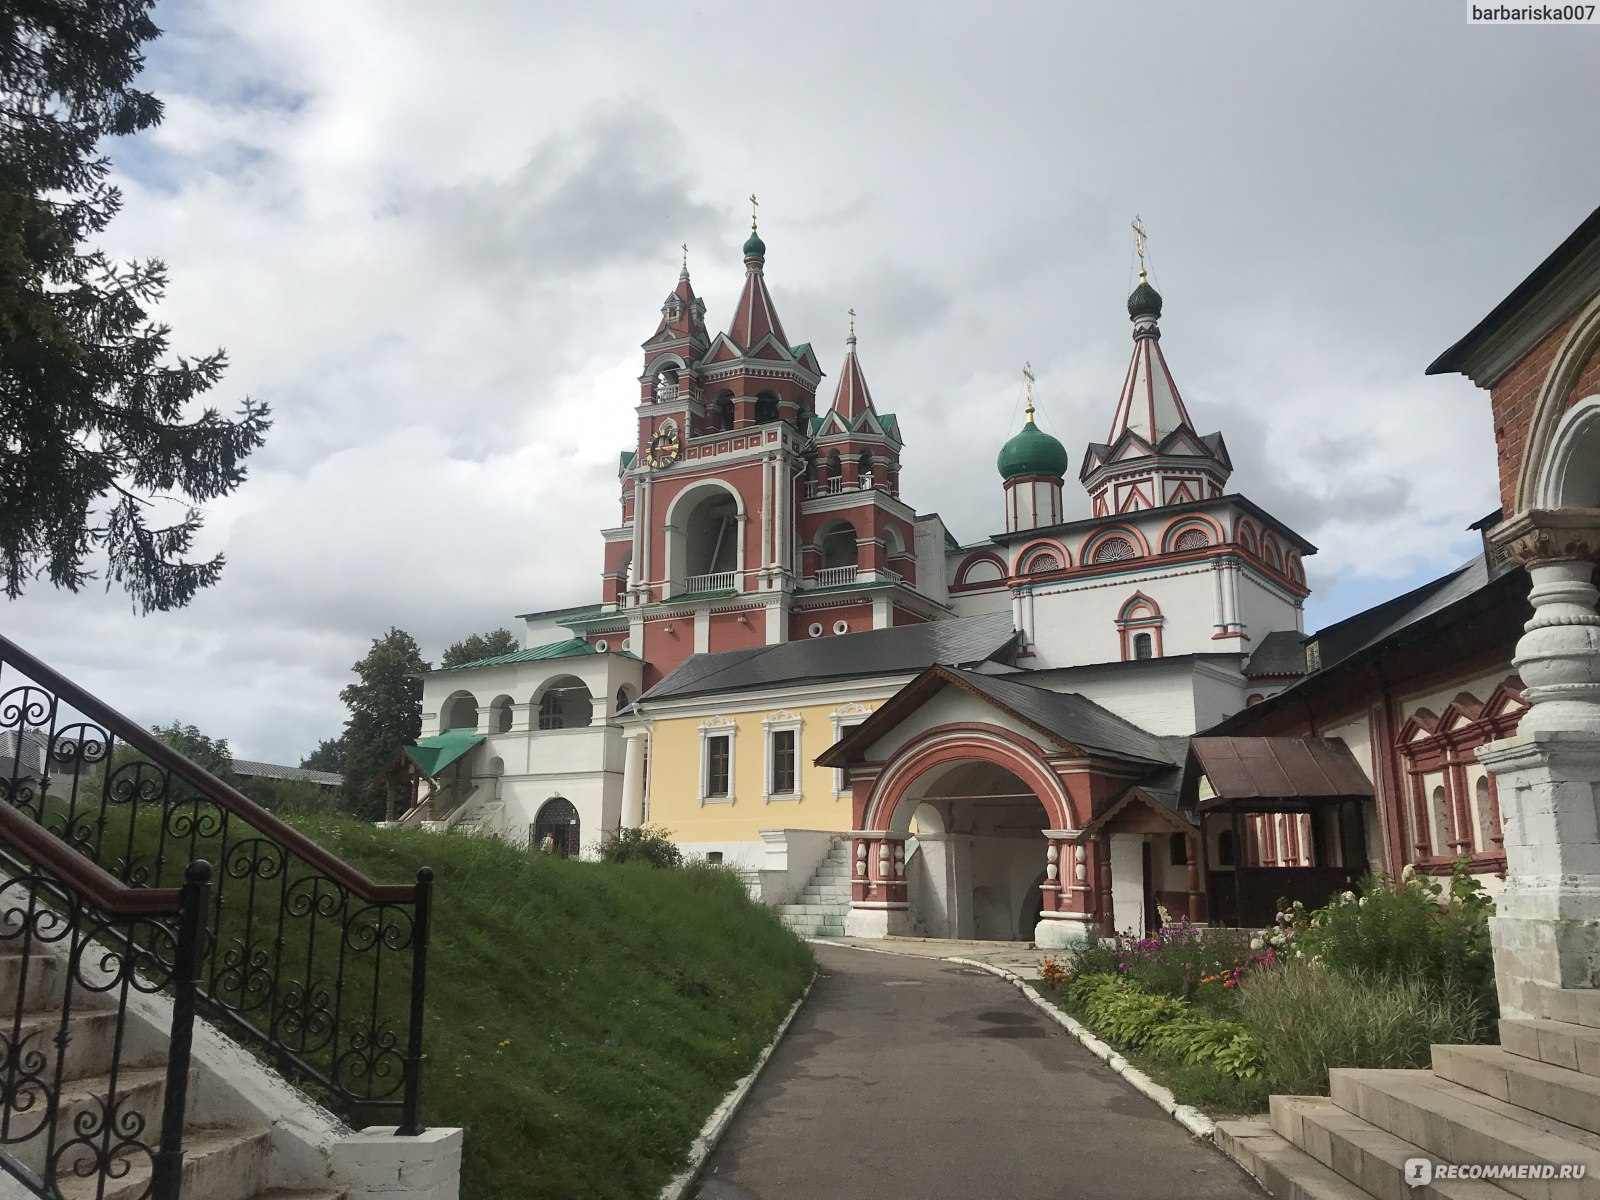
(789, 665)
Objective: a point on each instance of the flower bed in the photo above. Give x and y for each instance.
(1225, 1017)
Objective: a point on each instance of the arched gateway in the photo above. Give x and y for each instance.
(976, 818)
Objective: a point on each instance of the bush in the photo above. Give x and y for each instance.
(646, 844)
(1410, 930)
(1173, 961)
(1164, 1027)
(1307, 1017)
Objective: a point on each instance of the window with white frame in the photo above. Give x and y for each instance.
(845, 717)
(783, 755)
(717, 761)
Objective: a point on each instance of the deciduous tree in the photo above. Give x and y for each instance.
(385, 706)
(480, 645)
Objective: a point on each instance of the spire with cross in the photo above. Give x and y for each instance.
(1138, 245)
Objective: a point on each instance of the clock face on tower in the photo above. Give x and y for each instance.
(662, 450)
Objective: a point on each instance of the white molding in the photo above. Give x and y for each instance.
(718, 726)
(782, 721)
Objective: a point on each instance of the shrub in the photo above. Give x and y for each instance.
(646, 844)
(1307, 1017)
(1095, 955)
(1164, 1026)
(1410, 929)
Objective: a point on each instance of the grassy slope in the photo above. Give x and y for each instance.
(583, 1019)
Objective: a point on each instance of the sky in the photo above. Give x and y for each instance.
(432, 237)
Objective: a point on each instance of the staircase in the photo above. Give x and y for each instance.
(1534, 1099)
(820, 909)
(220, 1162)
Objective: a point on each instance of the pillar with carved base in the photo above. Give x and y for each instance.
(1068, 893)
(1546, 931)
(878, 903)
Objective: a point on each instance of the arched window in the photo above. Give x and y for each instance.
(1191, 539)
(766, 408)
(1114, 549)
(864, 469)
(1043, 561)
(557, 821)
(666, 384)
(1484, 814)
(1439, 814)
(459, 712)
(724, 411)
(500, 714)
(712, 530)
(835, 470)
(625, 696)
(1143, 646)
(565, 703)
(839, 546)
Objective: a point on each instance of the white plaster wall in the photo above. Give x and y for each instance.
(930, 550)
(597, 797)
(602, 674)
(1262, 608)
(1076, 622)
(978, 604)
(746, 856)
(949, 706)
(1003, 873)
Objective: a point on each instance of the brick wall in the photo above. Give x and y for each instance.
(1513, 398)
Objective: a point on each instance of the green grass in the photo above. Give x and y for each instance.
(583, 1018)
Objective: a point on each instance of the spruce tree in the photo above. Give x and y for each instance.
(103, 450)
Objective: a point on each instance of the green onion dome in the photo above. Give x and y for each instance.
(1144, 302)
(1032, 452)
(754, 247)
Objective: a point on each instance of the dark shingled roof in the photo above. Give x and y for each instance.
(1275, 769)
(1078, 720)
(1281, 652)
(1357, 633)
(903, 650)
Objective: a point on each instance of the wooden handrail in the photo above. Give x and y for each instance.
(224, 795)
(103, 889)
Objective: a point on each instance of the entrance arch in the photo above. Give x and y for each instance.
(969, 817)
(557, 820)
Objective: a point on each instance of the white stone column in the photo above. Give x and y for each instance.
(1546, 931)
(633, 779)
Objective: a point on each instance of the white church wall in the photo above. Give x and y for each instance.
(930, 550)
(948, 707)
(597, 798)
(1263, 609)
(1076, 623)
(977, 604)
(1004, 871)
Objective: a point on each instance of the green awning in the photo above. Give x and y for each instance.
(434, 754)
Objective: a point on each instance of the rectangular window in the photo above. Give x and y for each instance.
(718, 752)
(782, 761)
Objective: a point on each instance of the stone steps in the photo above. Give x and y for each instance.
(1559, 1092)
(819, 909)
(1286, 1171)
(1559, 1043)
(1359, 1152)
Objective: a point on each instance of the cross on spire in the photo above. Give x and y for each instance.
(1138, 245)
(754, 205)
(1027, 374)
(686, 256)
(852, 324)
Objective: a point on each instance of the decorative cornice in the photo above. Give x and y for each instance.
(1550, 535)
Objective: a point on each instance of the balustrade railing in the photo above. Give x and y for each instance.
(717, 581)
(76, 948)
(304, 956)
(835, 576)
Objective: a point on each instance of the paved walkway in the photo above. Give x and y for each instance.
(1020, 958)
(906, 1076)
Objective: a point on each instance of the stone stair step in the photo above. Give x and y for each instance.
(1563, 1093)
(1576, 1006)
(91, 1038)
(1371, 1158)
(1456, 1124)
(1559, 1043)
(314, 1194)
(1285, 1170)
(46, 976)
(139, 1091)
(219, 1164)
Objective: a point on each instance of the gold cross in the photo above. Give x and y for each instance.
(1027, 373)
(852, 322)
(754, 204)
(686, 256)
(1138, 244)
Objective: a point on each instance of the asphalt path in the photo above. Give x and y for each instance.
(924, 1079)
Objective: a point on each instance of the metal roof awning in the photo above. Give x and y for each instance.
(434, 754)
(1272, 774)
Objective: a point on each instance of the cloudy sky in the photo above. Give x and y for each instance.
(432, 237)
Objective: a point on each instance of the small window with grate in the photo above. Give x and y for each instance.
(1143, 646)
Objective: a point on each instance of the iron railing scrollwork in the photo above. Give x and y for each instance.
(77, 948)
(304, 956)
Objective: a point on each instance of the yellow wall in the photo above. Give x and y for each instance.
(675, 748)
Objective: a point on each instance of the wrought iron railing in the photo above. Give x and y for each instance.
(306, 957)
(76, 946)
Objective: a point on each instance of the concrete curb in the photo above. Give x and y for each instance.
(1191, 1118)
(722, 1116)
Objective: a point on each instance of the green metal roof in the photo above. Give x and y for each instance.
(1032, 452)
(434, 754)
(570, 648)
(625, 460)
